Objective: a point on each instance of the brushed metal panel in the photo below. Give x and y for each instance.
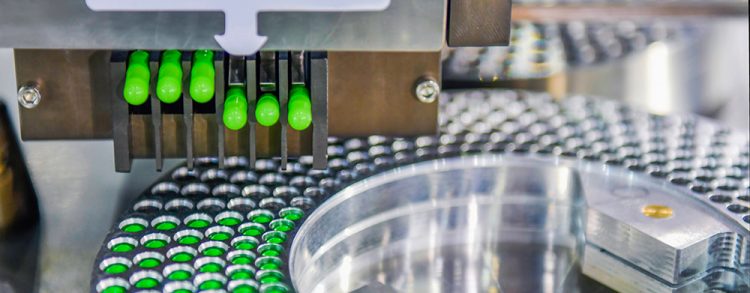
(413, 25)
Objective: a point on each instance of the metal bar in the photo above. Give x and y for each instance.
(640, 11)
(252, 94)
(120, 117)
(156, 114)
(283, 86)
(187, 112)
(236, 71)
(219, 99)
(319, 96)
(267, 76)
(297, 67)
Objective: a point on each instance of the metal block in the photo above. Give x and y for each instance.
(74, 85)
(373, 93)
(478, 23)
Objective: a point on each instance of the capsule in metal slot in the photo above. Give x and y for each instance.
(202, 76)
(267, 110)
(137, 77)
(169, 83)
(235, 108)
(300, 108)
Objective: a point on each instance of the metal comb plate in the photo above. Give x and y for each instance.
(695, 157)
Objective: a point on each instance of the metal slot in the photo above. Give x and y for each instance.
(156, 121)
(236, 75)
(252, 96)
(120, 116)
(187, 112)
(236, 71)
(283, 94)
(219, 100)
(319, 96)
(267, 71)
(297, 68)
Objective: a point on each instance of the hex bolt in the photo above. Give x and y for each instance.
(427, 90)
(29, 95)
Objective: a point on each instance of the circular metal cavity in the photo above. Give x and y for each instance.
(113, 284)
(115, 265)
(122, 244)
(211, 204)
(165, 188)
(195, 189)
(147, 206)
(229, 190)
(185, 174)
(241, 204)
(691, 165)
(179, 205)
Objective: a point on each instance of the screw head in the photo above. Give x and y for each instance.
(427, 90)
(29, 95)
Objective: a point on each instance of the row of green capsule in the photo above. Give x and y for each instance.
(202, 76)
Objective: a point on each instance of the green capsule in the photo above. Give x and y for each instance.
(291, 213)
(235, 108)
(300, 108)
(270, 249)
(267, 110)
(282, 225)
(211, 285)
(210, 268)
(202, 76)
(269, 276)
(147, 283)
(213, 251)
(274, 287)
(148, 263)
(244, 288)
(260, 217)
(179, 275)
(268, 263)
(169, 83)
(155, 243)
(274, 237)
(116, 268)
(114, 289)
(137, 79)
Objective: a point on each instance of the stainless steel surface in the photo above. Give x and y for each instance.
(404, 26)
(467, 224)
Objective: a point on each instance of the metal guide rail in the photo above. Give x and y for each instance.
(268, 104)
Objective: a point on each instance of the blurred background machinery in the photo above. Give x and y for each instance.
(622, 128)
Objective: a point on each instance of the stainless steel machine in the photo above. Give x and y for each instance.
(374, 146)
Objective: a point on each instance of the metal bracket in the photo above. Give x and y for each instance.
(240, 16)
